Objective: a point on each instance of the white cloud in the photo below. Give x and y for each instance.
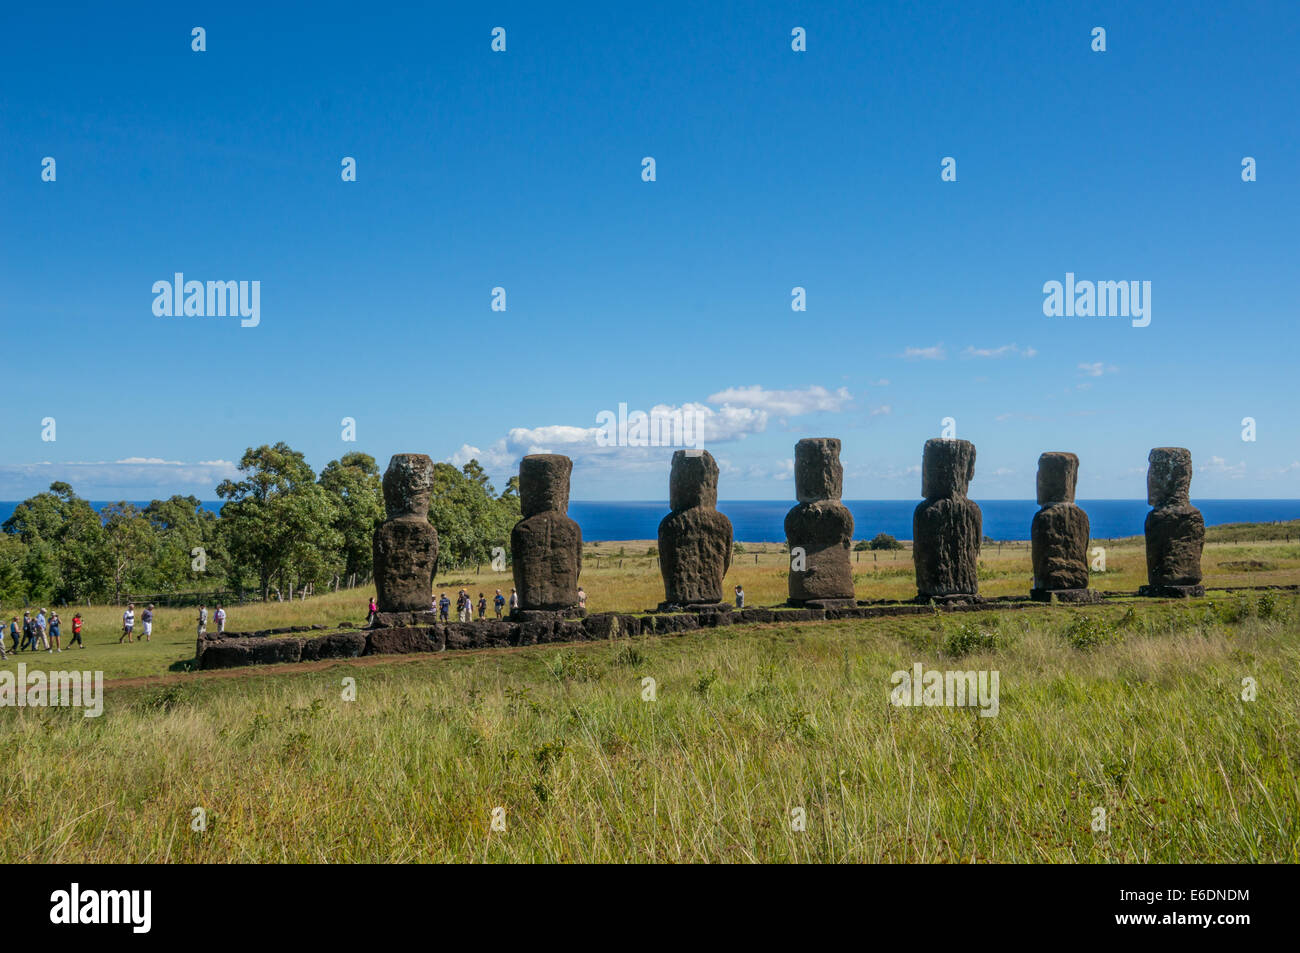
(787, 403)
(1220, 466)
(934, 353)
(1003, 351)
(882, 410)
(1097, 369)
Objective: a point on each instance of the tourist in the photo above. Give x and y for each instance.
(499, 601)
(13, 631)
(444, 607)
(128, 624)
(463, 606)
(27, 630)
(582, 598)
(370, 613)
(76, 632)
(40, 627)
(219, 617)
(740, 596)
(55, 633)
(514, 601)
(482, 606)
(203, 620)
(147, 618)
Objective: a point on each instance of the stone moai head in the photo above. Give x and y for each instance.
(947, 467)
(408, 483)
(693, 481)
(1169, 476)
(544, 483)
(1058, 472)
(818, 474)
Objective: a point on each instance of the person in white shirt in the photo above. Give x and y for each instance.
(203, 621)
(582, 598)
(128, 624)
(220, 618)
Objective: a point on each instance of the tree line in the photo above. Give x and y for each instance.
(281, 528)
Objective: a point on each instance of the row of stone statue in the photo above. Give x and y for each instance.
(695, 540)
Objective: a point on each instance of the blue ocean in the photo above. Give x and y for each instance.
(763, 521)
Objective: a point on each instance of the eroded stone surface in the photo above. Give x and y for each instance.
(947, 528)
(406, 544)
(819, 530)
(694, 539)
(1175, 530)
(546, 546)
(1059, 532)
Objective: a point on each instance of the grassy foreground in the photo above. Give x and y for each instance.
(1137, 710)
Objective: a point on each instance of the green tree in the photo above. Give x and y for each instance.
(63, 537)
(470, 518)
(128, 546)
(354, 485)
(277, 521)
(188, 550)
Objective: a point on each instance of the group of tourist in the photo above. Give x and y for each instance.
(40, 632)
(465, 605)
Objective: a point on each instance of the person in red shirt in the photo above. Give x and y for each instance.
(76, 631)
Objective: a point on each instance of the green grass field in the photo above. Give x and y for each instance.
(1136, 710)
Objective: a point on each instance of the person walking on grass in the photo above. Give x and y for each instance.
(203, 620)
(40, 629)
(27, 631)
(55, 633)
(13, 632)
(482, 607)
(76, 632)
(740, 596)
(514, 601)
(219, 617)
(128, 624)
(147, 618)
(499, 602)
(370, 613)
(444, 607)
(582, 598)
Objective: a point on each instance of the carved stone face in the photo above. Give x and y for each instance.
(544, 483)
(1169, 476)
(408, 482)
(693, 480)
(818, 473)
(1057, 474)
(947, 467)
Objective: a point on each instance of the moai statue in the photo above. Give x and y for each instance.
(947, 528)
(1175, 530)
(694, 539)
(1059, 534)
(406, 544)
(820, 529)
(546, 545)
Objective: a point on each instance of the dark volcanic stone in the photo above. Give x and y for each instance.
(947, 467)
(947, 528)
(231, 653)
(398, 620)
(818, 474)
(1175, 536)
(946, 536)
(463, 635)
(336, 645)
(694, 539)
(406, 545)
(546, 546)
(1065, 595)
(824, 530)
(544, 484)
(403, 641)
(1175, 530)
(820, 525)
(602, 625)
(1058, 472)
(756, 615)
(274, 651)
(1059, 540)
(630, 625)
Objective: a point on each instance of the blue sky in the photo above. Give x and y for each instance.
(774, 169)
